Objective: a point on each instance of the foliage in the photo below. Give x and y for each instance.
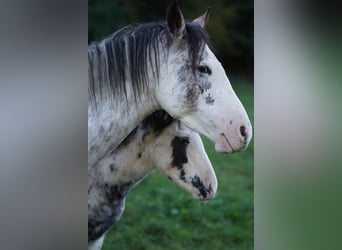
(230, 25)
(160, 215)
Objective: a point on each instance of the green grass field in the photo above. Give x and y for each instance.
(160, 215)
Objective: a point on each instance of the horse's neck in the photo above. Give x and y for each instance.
(128, 163)
(112, 122)
(113, 177)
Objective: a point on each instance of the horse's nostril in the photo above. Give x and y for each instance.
(243, 131)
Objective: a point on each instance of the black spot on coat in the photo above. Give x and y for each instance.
(179, 156)
(197, 183)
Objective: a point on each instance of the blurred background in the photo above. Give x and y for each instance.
(160, 215)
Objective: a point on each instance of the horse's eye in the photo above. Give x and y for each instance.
(204, 69)
(184, 140)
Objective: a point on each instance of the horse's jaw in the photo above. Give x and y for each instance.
(201, 187)
(228, 135)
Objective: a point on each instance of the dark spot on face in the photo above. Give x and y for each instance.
(190, 88)
(179, 156)
(197, 183)
(139, 155)
(192, 93)
(200, 88)
(183, 72)
(206, 85)
(182, 174)
(209, 100)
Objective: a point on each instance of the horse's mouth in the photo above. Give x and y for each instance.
(223, 145)
(226, 139)
(203, 192)
(208, 196)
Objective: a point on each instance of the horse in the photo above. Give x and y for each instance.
(159, 142)
(161, 65)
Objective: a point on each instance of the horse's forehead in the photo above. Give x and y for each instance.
(208, 54)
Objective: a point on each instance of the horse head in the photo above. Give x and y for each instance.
(194, 88)
(179, 154)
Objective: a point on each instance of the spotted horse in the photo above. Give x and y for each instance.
(159, 142)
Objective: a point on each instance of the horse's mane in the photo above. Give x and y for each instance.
(129, 51)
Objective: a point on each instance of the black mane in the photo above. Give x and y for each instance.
(129, 51)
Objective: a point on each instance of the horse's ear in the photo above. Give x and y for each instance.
(202, 20)
(175, 20)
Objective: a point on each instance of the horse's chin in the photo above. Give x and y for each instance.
(199, 197)
(222, 145)
(210, 193)
(229, 145)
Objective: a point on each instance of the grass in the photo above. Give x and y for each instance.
(160, 215)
